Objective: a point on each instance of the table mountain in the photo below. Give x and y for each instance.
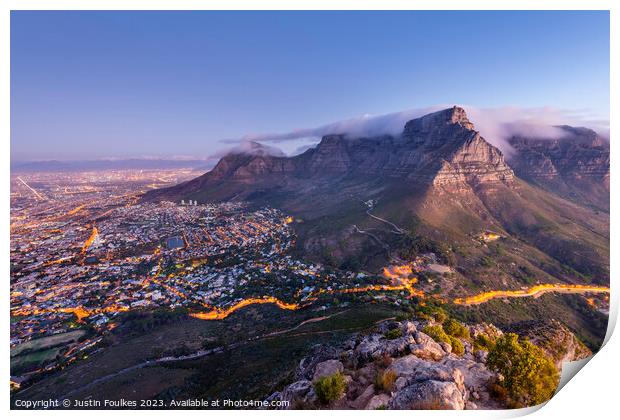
(441, 148)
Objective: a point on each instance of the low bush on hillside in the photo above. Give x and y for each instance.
(483, 342)
(527, 376)
(441, 335)
(411, 245)
(486, 261)
(393, 334)
(141, 321)
(330, 388)
(457, 346)
(453, 327)
(437, 333)
(432, 313)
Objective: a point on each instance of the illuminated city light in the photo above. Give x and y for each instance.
(531, 292)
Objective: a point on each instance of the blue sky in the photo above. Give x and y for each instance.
(100, 84)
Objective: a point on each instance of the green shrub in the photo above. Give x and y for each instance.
(527, 375)
(330, 388)
(456, 329)
(483, 342)
(437, 333)
(457, 346)
(385, 380)
(431, 312)
(393, 334)
(411, 245)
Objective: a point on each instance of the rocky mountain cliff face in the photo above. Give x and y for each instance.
(575, 165)
(441, 148)
(447, 146)
(426, 374)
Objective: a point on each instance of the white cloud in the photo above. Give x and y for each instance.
(250, 148)
(496, 125)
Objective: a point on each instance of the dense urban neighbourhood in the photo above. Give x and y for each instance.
(85, 255)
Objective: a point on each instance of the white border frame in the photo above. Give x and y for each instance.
(592, 395)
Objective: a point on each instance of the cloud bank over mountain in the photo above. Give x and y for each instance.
(496, 125)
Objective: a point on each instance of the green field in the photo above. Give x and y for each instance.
(39, 352)
(47, 342)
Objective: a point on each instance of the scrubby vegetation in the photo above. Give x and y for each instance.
(454, 328)
(138, 322)
(483, 342)
(437, 333)
(486, 261)
(412, 245)
(528, 376)
(385, 380)
(393, 334)
(457, 346)
(330, 388)
(451, 332)
(440, 334)
(440, 315)
(432, 313)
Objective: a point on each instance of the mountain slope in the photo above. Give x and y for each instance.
(440, 182)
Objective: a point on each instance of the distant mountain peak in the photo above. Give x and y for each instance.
(454, 115)
(439, 120)
(459, 116)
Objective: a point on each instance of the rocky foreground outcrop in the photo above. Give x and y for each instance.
(423, 373)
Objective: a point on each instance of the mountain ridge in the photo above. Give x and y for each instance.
(420, 154)
(575, 165)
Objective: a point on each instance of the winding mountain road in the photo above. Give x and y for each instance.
(397, 230)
